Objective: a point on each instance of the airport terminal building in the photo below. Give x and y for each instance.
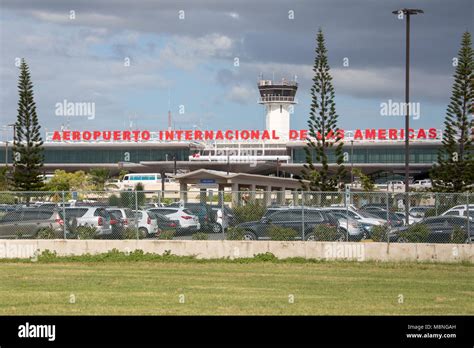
(276, 150)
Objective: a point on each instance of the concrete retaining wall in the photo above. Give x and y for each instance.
(235, 249)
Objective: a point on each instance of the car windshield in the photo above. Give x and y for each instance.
(367, 215)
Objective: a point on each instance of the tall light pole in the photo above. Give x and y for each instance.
(406, 13)
(352, 162)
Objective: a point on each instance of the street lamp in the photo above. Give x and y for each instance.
(407, 12)
(352, 162)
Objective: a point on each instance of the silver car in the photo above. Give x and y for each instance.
(96, 217)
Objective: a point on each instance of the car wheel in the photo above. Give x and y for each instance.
(341, 237)
(249, 236)
(402, 240)
(216, 228)
(310, 237)
(143, 232)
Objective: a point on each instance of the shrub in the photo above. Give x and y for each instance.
(46, 233)
(250, 212)
(265, 257)
(378, 233)
(86, 232)
(127, 199)
(166, 234)
(7, 198)
(114, 201)
(281, 233)
(416, 233)
(235, 233)
(459, 235)
(167, 201)
(200, 236)
(325, 233)
(131, 233)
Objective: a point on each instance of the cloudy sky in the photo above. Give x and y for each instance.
(81, 56)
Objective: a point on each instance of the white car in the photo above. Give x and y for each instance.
(411, 219)
(187, 221)
(146, 224)
(460, 210)
(425, 183)
(419, 211)
(396, 185)
(361, 216)
(221, 218)
(96, 217)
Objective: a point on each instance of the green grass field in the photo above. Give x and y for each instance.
(226, 288)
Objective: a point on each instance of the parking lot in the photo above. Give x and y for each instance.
(349, 216)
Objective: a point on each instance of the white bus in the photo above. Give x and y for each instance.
(150, 181)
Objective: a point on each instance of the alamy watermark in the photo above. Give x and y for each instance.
(75, 109)
(352, 251)
(17, 251)
(392, 108)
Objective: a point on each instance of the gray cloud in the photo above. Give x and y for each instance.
(66, 57)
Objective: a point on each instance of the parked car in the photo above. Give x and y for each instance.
(204, 212)
(359, 215)
(349, 225)
(125, 214)
(460, 210)
(394, 220)
(91, 216)
(425, 183)
(221, 217)
(395, 185)
(145, 222)
(5, 208)
(292, 218)
(117, 225)
(30, 222)
(164, 223)
(374, 206)
(419, 211)
(153, 205)
(440, 228)
(366, 220)
(411, 219)
(188, 223)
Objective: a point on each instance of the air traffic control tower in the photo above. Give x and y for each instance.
(278, 99)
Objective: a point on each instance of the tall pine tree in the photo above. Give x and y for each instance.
(323, 132)
(27, 149)
(455, 168)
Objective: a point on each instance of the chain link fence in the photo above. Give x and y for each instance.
(206, 214)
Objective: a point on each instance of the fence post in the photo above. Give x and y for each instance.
(347, 194)
(468, 218)
(64, 214)
(136, 213)
(436, 203)
(302, 215)
(222, 196)
(388, 226)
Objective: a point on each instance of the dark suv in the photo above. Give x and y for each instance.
(291, 218)
(30, 223)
